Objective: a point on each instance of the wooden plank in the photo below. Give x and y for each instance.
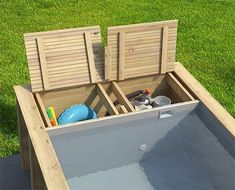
(107, 62)
(43, 64)
(121, 74)
(122, 97)
(148, 26)
(106, 100)
(23, 137)
(37, 180)
(123, 109)
(178, 88)
(164, 49)
(42, 109)
(45, 153)
(90, 57)
(206, 98)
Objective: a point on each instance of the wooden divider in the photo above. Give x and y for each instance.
(121, 97)
(178, 88)
(106, 100)
(42, 110)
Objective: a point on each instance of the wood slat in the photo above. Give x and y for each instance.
(76, 51)
(107, 61)
(106, 100)
(164, 49)
(178, 88)
(144, 43)
(90, 57)
(121, 56)
(122, 97)
(43, 63)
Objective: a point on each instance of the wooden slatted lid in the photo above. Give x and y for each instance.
(64, 58)
(140, 49)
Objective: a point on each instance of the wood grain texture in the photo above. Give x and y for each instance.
(107, 63)
(66, 58)
(45, 153)
(37, 180)
(144, 47)
(178, 88)
(42, 109)
(90, 57)
(121, 66)
(43, 64)
(106, 100)
(23, 137)
(123, 109)
(121, 97)
(164, 49)
(206, 98)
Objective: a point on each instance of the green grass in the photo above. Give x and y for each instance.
(206, 42)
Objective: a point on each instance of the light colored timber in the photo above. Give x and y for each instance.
(148, 26)
(206, 98)
(91, 63)
(42, 109)
(65, 52)
(37, 180)
(45, 153)
(121, 71)
(143, 42)
(43, 63)
(107, 62)
(122, 97)
(123, 109)
(178, 88)
(106, 100)
(23, 137)
(164, 49)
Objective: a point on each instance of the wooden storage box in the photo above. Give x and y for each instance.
(71, 66)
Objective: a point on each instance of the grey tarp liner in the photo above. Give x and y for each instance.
(182, 153)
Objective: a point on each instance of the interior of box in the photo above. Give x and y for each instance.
(109, 98)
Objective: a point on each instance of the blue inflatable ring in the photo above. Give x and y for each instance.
(76, 113)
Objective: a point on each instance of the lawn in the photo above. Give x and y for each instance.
(206, 42)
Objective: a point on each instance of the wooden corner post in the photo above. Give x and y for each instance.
(41, 144)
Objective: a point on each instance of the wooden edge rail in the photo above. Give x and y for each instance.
(122, 97)
(41, 143)
(205, 97)
(42, 109)
(106, 100)
(178, 87)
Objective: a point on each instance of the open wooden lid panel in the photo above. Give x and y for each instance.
(140, 49)
(73, 57)
(64, 58)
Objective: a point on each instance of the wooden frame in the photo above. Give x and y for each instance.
(79, 74)
(48, 163)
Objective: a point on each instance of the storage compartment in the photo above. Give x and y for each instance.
(110, 98)
(146, 150)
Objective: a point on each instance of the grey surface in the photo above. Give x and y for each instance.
(11, 175)
(182, 153)
(114, 145)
